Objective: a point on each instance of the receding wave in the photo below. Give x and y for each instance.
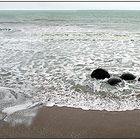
(51, 65)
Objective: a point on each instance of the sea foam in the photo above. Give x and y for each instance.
(51, 65)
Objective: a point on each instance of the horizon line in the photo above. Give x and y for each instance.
(71, 9)
(69, 1)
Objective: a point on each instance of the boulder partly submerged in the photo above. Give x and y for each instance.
(100, 73)
(114, 81)
(127, 76)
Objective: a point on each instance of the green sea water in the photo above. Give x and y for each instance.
(128, 20)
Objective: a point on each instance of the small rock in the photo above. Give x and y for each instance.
(127, 76)
(100, 73)
(114, 81)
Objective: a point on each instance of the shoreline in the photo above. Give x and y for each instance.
(64, 122)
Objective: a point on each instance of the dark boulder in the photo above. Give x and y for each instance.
(100, 74)
(139, 79)
(127, 76)
(114, 81)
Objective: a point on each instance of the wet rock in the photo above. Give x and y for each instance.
(127, 76)
(114, 81)
(5, 29)
(100, 74)
(139, 79)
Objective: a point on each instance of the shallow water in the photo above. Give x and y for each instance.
(46, 58)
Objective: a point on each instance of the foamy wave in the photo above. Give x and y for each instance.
(51, 65)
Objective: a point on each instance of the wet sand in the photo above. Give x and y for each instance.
(63, 122)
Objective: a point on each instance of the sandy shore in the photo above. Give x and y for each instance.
(63, 122)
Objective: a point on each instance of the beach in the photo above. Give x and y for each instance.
(63, 122)
(47, 58)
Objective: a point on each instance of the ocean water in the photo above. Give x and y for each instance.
(46, 58)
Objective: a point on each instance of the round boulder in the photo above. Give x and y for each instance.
(127, 76)
(114, 81)
(100, 74)
(139, 79)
